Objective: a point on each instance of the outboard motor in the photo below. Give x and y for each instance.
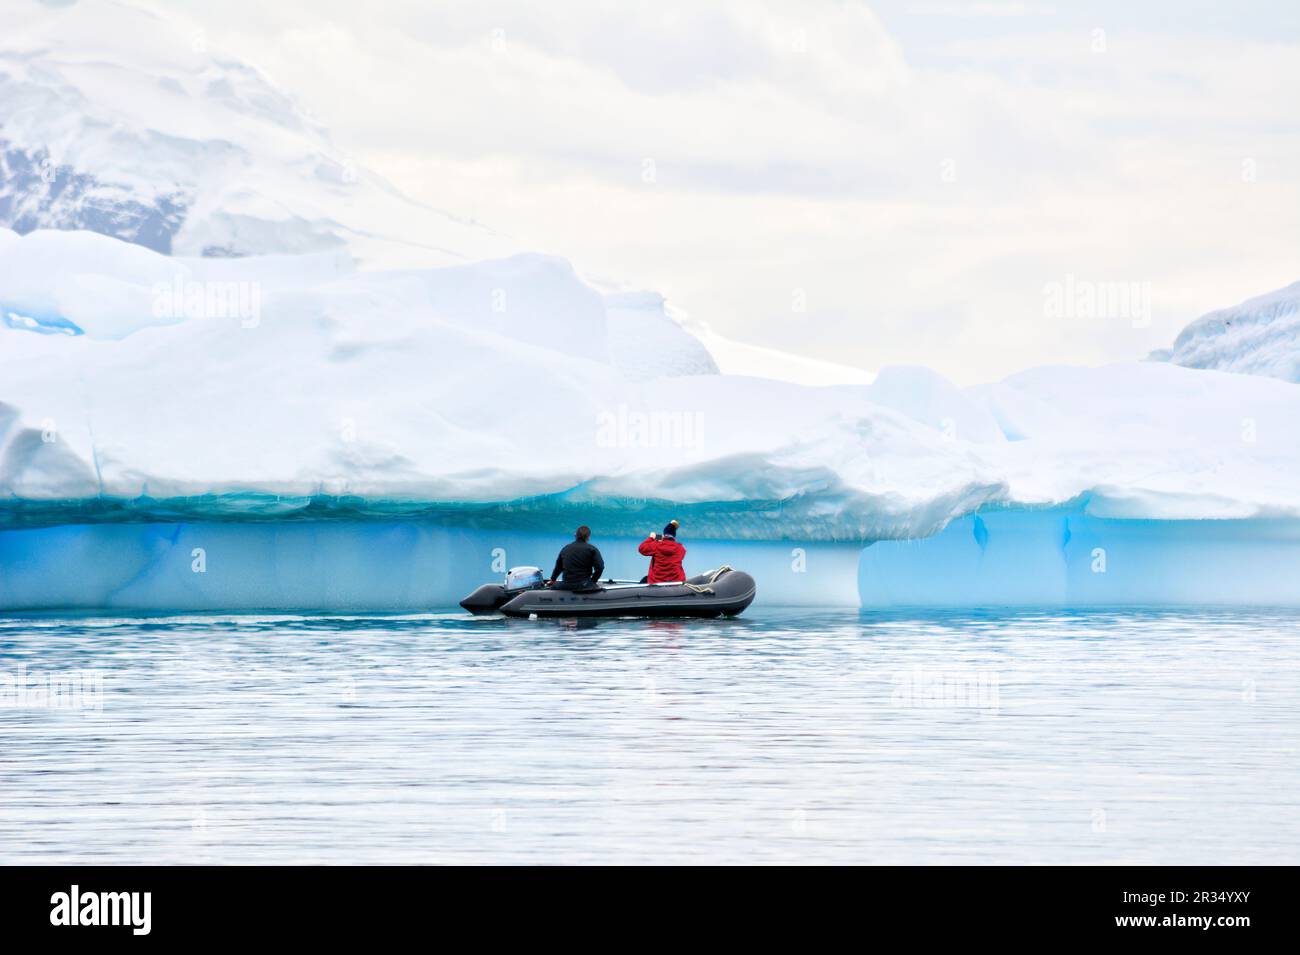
(492, 597)
(523, 578)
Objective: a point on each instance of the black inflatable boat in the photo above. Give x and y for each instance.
(722, 592)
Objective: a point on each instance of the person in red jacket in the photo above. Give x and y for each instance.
(665, 556)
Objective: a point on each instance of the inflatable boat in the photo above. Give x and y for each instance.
(721, 592)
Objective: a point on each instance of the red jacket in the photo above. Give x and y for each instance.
(665, 560)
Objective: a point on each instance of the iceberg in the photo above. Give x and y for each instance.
(342, 431)
(1261, 336)
(503, 387)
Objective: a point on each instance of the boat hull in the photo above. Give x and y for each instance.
(732, 592)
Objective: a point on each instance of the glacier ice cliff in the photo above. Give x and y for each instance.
(1066, 557)
(347, 566)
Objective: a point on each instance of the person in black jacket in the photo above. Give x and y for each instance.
(580, 562)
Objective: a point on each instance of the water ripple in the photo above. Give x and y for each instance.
(1113, 736)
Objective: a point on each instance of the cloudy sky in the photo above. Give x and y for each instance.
(871, 183)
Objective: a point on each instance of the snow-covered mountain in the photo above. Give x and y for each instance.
(120, 121)
(1261, 336)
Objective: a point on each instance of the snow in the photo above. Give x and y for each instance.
(1148, 440)
(929, 398)
(646, 341)
(1261, 336)
(742, 358)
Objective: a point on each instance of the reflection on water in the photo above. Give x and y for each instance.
(1161, 737)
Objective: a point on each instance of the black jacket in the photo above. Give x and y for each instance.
(580, 562)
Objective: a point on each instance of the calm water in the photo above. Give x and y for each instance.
(1167, 737)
